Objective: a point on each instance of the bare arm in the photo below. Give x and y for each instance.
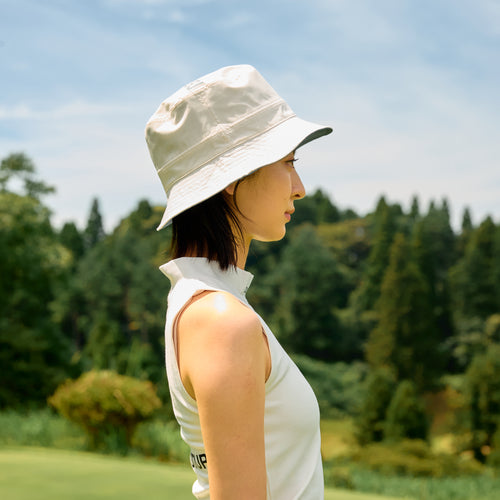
(224, 361)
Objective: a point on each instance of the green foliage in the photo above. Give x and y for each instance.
(19, 167)
(479, 486)
(378, 391)
(406, 417)
(309, 282)
(337, 386)
(94, 232)
(108, 406)
(482, 392)
(413, 458)
(114, 301)
(73, 240)
(475, 276)
(406, 337)
(385, 223)
(34, 354)
(316, 209)
(39, 428)
(162, 440)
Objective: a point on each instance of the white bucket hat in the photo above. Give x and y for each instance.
(217, 130)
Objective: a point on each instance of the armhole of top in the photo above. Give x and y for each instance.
(198, 295)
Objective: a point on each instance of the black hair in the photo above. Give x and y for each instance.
(210, 229)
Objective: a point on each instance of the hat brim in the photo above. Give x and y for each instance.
(239, 162)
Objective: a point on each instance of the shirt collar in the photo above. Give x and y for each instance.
(233, 280)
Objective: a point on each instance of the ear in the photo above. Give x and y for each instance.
(230, 189)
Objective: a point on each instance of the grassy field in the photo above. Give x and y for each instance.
(48, 474)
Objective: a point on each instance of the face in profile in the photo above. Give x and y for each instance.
(266, 199)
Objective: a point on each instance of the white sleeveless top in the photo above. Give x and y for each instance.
(291, 418)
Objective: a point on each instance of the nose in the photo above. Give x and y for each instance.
(298, 189)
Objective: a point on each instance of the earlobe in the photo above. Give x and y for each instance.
(231, 188)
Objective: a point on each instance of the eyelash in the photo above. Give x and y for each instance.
(292, 162)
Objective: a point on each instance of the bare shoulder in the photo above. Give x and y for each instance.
(220, 339)
(217, 313)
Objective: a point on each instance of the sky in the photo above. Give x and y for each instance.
(410, 87)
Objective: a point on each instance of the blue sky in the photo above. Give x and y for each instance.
(411, 89)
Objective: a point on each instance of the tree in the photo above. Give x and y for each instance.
(415, 209)
(34, 355)
(379, 388)
(18, 166)
(385, 227)
(316, 209)
(73, 240)
(466, 230)
(474, 276)
(483, 399)
(94, 232)
(433, 244)
(405, 338)
(114, 305)
(309, 285)
(406, 417)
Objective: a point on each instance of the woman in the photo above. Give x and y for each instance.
(224, 148)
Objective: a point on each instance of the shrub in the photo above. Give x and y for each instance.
(108, 406)
(406, 416)
(162, 440)
(39, 428)
(413, 458)
(339, 477)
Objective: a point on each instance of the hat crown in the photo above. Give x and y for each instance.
(208, 117)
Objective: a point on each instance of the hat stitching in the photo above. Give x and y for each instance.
(223, 130)
(169, 186)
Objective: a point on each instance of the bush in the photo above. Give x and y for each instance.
(161, 440)
(108, 406)
(39, 428)
(339, 477)
(413, 458)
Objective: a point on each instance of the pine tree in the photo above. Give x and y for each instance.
(474, 276)
(367, 294)
(310, 286)
(405, 338)
(94, 232)
(433, 243)
(415, 209)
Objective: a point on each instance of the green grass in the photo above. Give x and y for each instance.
(48, 474)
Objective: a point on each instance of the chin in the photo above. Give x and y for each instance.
(277, 236)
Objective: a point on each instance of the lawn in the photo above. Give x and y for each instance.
(49, 474)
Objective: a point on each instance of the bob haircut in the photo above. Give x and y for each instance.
(210, 229)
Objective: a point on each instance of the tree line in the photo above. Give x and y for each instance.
(399, 291)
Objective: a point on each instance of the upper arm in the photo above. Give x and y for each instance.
(223, 359)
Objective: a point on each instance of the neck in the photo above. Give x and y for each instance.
(242, 253)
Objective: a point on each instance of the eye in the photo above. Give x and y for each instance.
(292, 162)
